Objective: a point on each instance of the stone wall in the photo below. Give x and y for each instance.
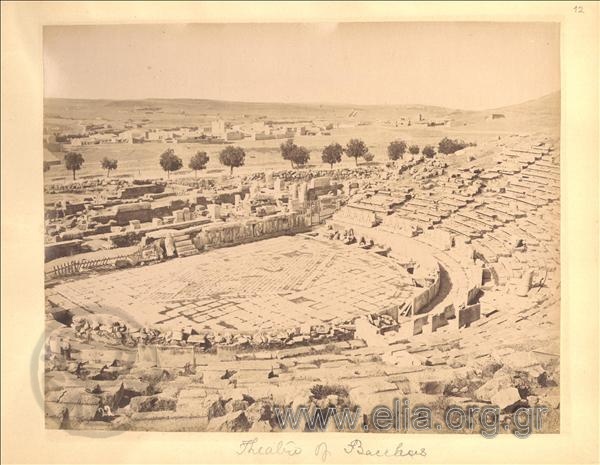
(134, 192)
(399, 225)
(141, 211)
(354, 216)
(328, 205)
(427, 294)
(62, 249)
(218, 235)
(468, 315)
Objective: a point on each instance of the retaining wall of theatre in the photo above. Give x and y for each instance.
(427, 294)
(407, 250)
(217, 235)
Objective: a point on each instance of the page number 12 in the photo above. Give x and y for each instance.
(578, 9)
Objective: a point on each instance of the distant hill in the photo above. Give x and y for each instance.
(534, 115)
(548, 104)
(538, 115)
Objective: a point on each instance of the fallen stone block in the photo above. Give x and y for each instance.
(231, 422)
(494, 385)
(152, 403)
(436, 387)
(261, 427)
(551, 401)
(212, 406)
(259, 411)
(434, 361)
(506, 398)
(127, 390)
(488, 367)
(80, 404)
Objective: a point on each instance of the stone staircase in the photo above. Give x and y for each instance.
(183, 245)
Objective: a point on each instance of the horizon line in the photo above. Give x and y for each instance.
(331, 104)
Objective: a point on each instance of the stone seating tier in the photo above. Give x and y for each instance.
(475, 221)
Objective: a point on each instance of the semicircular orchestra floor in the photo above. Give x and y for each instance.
(264, 286)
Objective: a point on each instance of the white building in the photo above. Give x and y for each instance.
(218, 128)
(158, 135)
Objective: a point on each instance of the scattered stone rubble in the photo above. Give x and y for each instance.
(110, 330)
(95, 386)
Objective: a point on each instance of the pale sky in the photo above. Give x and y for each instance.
(455, 65)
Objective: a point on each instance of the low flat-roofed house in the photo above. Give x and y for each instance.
(234, 135)
(158, 135)
(104, 138)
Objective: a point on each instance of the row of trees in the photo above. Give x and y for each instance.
(230, 156)
(169, 161)
(298, 156)
(355, 148)
(398, 148)
(74, 161)
(446, 146)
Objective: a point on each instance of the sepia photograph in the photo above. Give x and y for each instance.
(258, 227)
(228, 225)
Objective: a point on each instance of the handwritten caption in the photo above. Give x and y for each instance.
(323, 451)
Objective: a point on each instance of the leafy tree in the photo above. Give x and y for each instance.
(300, 156)
(448, 146)
(198, 162)
(46, 166)
(396, 149)
(356, 149)
(170, 162)
(368, 157)
(109, 165)
(414, 149)
(287, 150)
(332, 154)
(73, 162)
(428, 151)
(232, 157)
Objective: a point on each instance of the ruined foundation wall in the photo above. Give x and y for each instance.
(428, 294)
(219, 235)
